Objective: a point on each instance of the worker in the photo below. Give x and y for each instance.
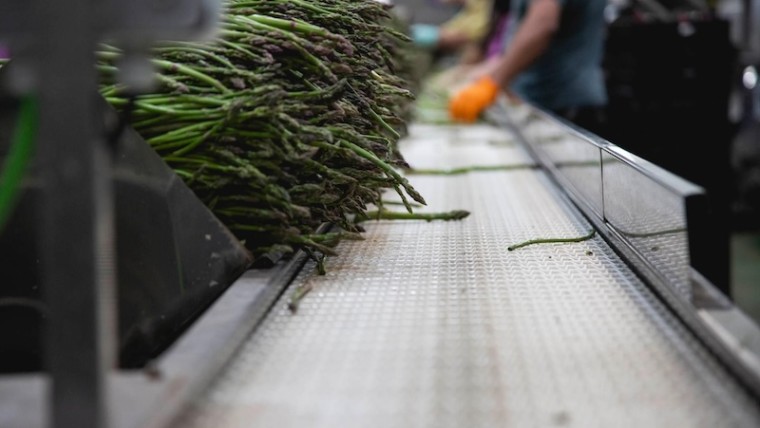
(553, 59)
(466, 27)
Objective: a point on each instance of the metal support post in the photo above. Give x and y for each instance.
(76, 213)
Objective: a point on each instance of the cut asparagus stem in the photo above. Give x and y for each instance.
(468, 169)
(391, 215)
(552, 241)
(298, 295)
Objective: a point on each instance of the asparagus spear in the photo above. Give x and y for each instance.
(288, 120)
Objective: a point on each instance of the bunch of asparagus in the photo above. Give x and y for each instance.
(288, 120)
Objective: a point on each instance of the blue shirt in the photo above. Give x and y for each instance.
(569, 72)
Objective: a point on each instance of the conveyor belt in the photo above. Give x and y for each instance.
(437, 324)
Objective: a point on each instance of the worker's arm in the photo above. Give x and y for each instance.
(530, 41)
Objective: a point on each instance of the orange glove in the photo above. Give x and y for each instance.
(467, 105)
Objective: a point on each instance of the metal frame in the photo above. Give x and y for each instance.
(55, 44)
(154, 396)
(713, 318)
(77, 212)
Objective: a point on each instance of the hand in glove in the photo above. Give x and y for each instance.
(467, 105)
(425, 36)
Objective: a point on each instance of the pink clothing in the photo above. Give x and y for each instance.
(497, 42)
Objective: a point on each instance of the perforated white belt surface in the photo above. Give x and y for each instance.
(438, 325)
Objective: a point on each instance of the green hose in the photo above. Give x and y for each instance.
(19, 156)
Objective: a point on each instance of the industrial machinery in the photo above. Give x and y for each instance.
(440, 324)
(60, 261)
(575, 294)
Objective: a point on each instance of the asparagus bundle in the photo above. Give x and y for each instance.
(287, 121)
